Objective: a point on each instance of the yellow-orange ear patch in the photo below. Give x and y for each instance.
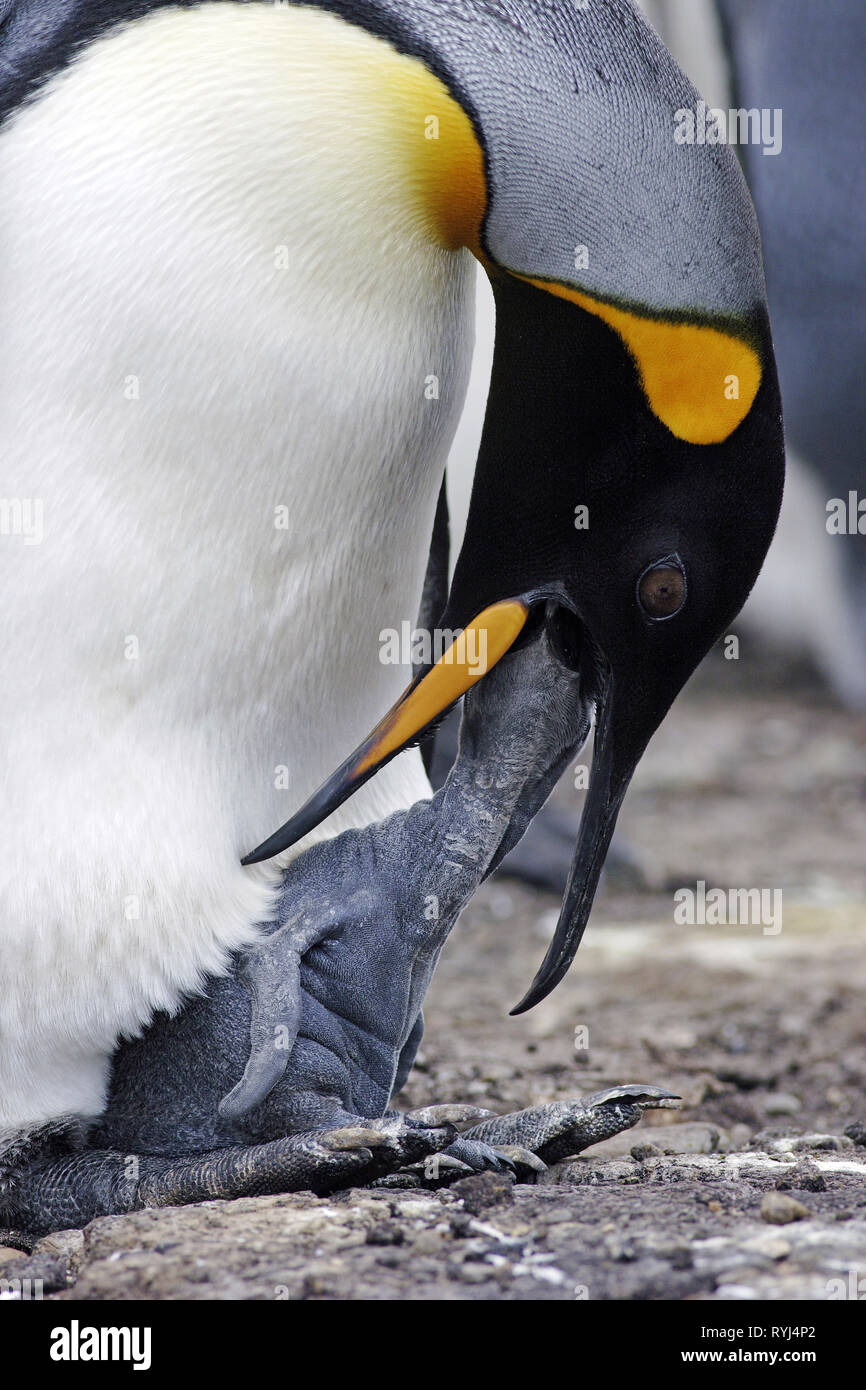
(699, 381)
(445, 159)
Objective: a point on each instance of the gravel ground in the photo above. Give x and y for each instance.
(753, 1189)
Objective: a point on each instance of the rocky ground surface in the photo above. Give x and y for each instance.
(754, 1188)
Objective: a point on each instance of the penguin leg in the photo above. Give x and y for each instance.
(271, 973)
(64, 1191)
(368, 912)
(309, 1033)
(526, 1141)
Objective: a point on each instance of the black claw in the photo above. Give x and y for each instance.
(647, 1097)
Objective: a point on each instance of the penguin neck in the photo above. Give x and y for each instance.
(238, 336)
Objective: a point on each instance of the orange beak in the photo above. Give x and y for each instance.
(493, 632)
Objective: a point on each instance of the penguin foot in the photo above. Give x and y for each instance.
(564, 1128)
(421, 1148)
(526, 1141)
(58, 1193)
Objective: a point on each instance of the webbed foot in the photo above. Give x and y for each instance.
(563, 1128)
(526, 1141)
(61, 1192)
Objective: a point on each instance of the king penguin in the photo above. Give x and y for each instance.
(237, 242)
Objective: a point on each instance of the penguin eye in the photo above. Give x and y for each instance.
(661, 589)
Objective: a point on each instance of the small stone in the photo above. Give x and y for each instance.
(624, 1251)
(581, 1171)
(778, 1250)
(780, 1103)
(431, 1242)
(691, 1139)
(641, 1152)
(805, 1176)
(681, 1257)
(746, 1073)
(564, 1237)
(736, 1292)
(484, 1190)
(46, 1273)
(389, 1259)
(821, 1143)
(857, 1133)
(741, 1136)
(461, 1224)
(63, 1245)
(707, 1200)
(769, 1245)
(779, 1210)
(386, 1233)
(743, 1110)
(315, 1287)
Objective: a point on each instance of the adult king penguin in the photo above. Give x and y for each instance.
(235, 241)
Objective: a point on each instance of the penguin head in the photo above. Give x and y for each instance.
(634, 546)
(631, 467)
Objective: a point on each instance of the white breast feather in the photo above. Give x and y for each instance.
(165, 387)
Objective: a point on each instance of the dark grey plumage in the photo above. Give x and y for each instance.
(332, 1003)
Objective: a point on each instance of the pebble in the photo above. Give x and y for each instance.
(821, 1143)
(63, 1245)
(475, 1273)
(806, 1176)
(386, 1233)
(640, 1152)
(431, 1242)
(772, 1246)
(780, 1103)
(580, 1172)
(779, 1210)
(484, 1190)
(691, 1139)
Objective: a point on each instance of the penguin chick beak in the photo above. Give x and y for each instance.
(494, 631)
(612, 771)
(555, 682)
